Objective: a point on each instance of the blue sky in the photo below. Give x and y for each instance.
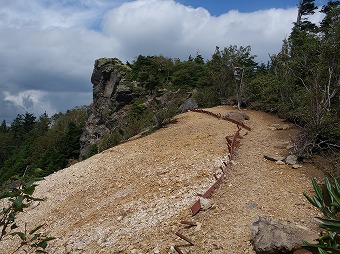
(217, 7)
(48, 47)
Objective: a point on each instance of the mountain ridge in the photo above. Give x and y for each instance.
(131, 198)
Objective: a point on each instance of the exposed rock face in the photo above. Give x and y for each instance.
(110, 90)
(271, 236)
(109, 94)
(116, 101)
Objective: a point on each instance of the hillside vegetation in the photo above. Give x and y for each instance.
(301, 83)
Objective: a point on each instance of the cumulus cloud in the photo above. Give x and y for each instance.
(28, 101)
(48, 47)
(154, 27)
(167, 27)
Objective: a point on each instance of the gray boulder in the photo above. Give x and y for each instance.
(188, 104)
(271, 236)
(238, 116)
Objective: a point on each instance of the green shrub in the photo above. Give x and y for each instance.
(327, 200)
(110, 140)
(92, 151)
(16, 199)
(207, 97)
(165, 115)
(138, 119)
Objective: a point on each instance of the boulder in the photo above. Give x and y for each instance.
(188, 104)
(270, 236)
(238, 116)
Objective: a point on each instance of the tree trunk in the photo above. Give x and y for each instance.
(298, 20)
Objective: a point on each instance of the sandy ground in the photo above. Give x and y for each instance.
(131, 198)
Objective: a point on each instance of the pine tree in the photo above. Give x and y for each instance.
(306, 8)
(3, 127)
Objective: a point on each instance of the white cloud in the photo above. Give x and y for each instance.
(50, 46)
(51, 13)
(166, 27)
(29, 101)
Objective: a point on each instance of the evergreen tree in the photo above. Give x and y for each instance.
(222, 69)
(3, 127)
(306, 76)
(42, 125)
(306, 8)
(189, 75)
(199, 59)
(31, 144)
(330, 21)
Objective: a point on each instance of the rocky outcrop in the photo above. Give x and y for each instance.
(110, 89)
(110, 93)
(122, 107)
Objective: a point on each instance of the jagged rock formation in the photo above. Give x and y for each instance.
(122, 108)
(109, 89)
(108, 96)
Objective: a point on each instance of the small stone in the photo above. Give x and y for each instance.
(172, 250)
(283, 127)
(296, 166)
(279, 162)
(273, 157)
(205, 204)
(216, 246)
(81, 245)
(278, 126)
(251, 205)
(198, 226)
(291, 159)
(156, 251)
(68, 248)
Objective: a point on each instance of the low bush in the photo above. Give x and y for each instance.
(327, 200)
(17, 197)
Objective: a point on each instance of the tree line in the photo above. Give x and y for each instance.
(301, 83)
(38, 147)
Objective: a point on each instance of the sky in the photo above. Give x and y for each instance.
(48, 47)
